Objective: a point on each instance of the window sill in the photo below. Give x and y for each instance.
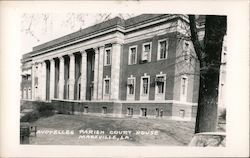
(162, 59)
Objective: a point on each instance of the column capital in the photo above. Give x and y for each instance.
(83, 53)
(119, 41)
(52, 60)
(96, 50)
(61, 58)
(71, 55)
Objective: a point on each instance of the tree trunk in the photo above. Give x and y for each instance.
(210, 61)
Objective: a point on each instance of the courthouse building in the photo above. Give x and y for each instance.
(144, 66)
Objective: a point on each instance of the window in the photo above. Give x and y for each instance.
(86, 109)
(145, 85)
(146, 52)
(186, 51)
(182, 113)
(144, 112)
(130, 111)
(29, 77)
(132, 55)
(159, 112)
(107, 86)
(107, 59)
(184, 85)
(160, 84)
(162, 49)
(104, 110)
(131, 88)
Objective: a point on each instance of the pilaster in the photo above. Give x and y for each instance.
(115, 70)
(100, 73)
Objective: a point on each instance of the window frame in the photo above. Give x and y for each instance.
(129, 55)
(186, 51)
(105, 86)
(159, 49)
(160, 96)
(106, 96)
(150, 51)
(183, 97)
(142, 95)
(105, 56)
(131, 96)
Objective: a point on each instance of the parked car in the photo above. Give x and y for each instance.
(209, 139)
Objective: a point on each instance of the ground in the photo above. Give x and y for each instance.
(135, 131)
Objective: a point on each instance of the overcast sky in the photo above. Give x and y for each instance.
(39, 28)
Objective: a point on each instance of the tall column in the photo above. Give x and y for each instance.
(71, 76)
(83, 75)
(115, 71)
(43, 81)
(52, 79)
(33, 69)
(61, 78)
(100, 73)
(96, 74)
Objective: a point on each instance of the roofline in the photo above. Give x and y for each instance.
(116, 27)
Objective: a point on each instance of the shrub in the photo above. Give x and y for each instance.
(45, 109)
(30, 117)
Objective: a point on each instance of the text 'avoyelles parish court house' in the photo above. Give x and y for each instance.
(144, 66)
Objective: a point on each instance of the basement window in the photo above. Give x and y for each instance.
(104, 110)
(143, 112)
(130, 111)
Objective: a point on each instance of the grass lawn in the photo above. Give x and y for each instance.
(164, 132)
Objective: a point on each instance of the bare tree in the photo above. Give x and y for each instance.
(209, 56)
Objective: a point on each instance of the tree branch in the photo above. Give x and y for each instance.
(194, 36)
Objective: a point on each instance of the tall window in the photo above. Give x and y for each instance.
(160, 84)
(107, 86)
(162, 49)
(132, 55)
(145, 85)
(146, 52)
(186, 51)
(184, 85)
(107, 56)
(131, 88)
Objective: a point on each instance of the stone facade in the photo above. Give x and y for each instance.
(140, 67)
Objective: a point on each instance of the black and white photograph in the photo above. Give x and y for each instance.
(127, 79)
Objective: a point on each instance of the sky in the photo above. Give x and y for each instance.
(39, 28)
